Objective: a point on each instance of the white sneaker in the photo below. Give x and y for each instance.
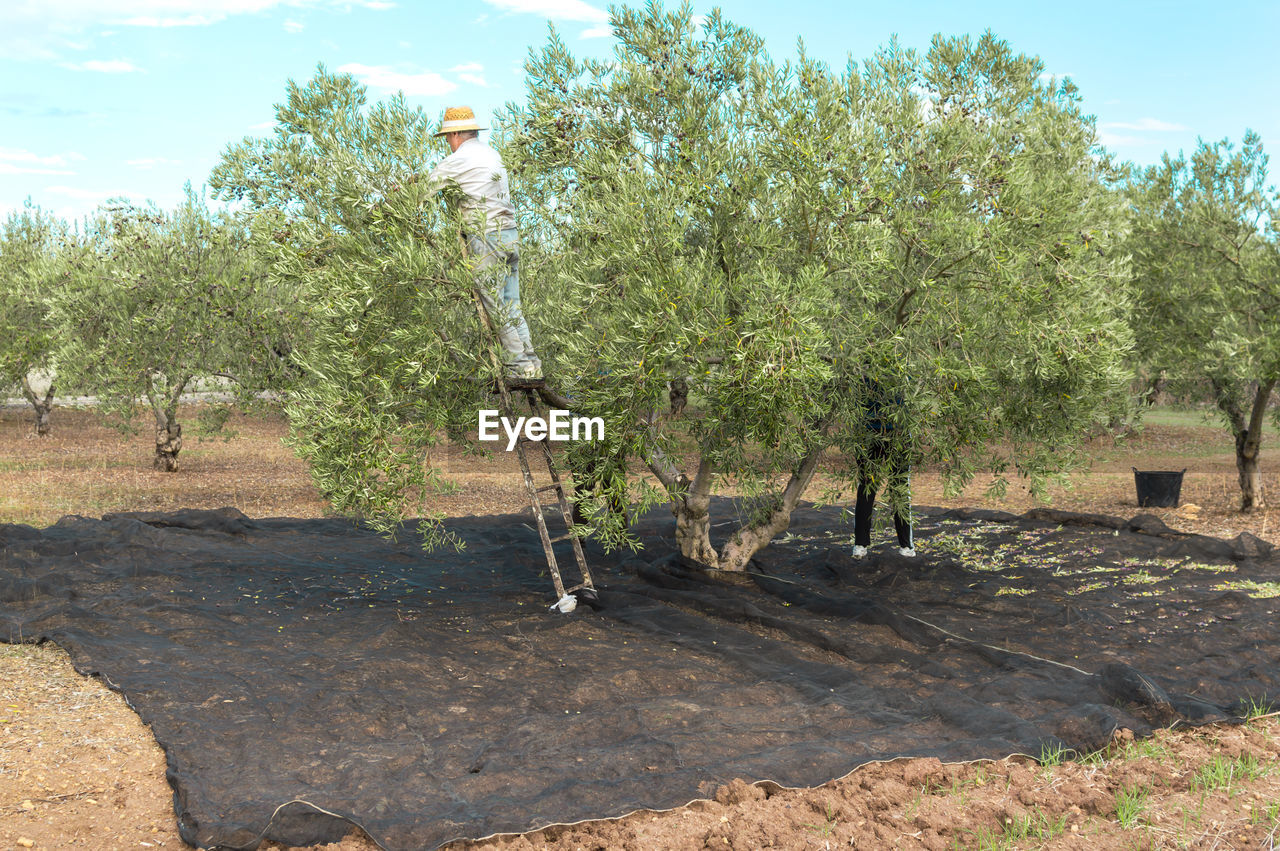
(907, 552)
(858, 552)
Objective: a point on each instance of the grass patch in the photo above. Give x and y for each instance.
(1149, 748)
(1051, 755)
(1223, 772)
(1258, 707)
(1029, 826)
(1130, 803)
(1265, 815)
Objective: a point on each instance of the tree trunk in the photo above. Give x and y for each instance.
(693, 517)
(43, 404)
(678, 395)
(1248, 437)
(746, 542)
(1251, 498)
(168, 445)
(691, 507)
(168, 429)
(1155, 385)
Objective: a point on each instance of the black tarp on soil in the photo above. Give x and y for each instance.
(431, 697)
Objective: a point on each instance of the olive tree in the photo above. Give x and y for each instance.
(31, 242)
(1206, 255)
(794, 239)
(391, 358)
(157, 300)
(779, 238)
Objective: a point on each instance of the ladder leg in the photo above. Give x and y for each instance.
(566, 511)
(541, 520)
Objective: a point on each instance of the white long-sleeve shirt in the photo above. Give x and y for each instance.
(479, 173)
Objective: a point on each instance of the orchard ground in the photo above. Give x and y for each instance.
(78, 769)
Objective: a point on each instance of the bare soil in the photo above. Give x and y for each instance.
(79, 770)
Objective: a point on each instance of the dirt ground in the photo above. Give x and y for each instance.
(79, 770)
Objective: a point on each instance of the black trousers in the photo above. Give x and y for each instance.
(866, 503)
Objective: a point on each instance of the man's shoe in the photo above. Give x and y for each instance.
(858, 552)
(907, 552)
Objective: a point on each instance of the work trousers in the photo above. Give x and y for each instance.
(496, 258)
(879, 450)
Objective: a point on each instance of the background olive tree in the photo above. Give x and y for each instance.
(1206, 255)
(156, 300)
(935, 227)
(32, 243)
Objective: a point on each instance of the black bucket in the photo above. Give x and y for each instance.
(1158, 488)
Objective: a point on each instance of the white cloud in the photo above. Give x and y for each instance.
(1118, 140)
(559, 10)
(602, 31)
(40, 29)
(471, 72)
(263, 125)
(424, 84)
(101, 66)
(293, 26)
(1145, 124)
(19, 161)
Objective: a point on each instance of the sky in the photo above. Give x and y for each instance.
(133, 98)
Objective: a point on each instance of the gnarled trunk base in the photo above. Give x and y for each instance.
(42, 402)
(1246, 425)
(1251, 496)
(43, 409)
(168, 445)
(693, 532)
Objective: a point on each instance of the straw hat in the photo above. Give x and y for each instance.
(458, 119)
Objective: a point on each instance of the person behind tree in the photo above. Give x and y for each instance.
(489, 219)
(883, 461)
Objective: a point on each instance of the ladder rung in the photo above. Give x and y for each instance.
(556, 486)
(560, 538)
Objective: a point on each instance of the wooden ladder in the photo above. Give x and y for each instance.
(566, 598)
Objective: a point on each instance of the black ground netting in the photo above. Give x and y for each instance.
(431, 697)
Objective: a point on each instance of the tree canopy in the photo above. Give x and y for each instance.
(391, 356)
(790, 237)
(156, 299)
(31, 246)
(783, 237)
(1206, 249)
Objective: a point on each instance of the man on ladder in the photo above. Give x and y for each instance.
(489, 219)
(493, 244)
